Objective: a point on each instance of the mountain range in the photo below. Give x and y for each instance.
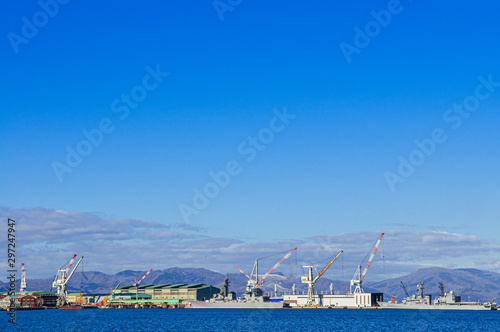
(471, 284)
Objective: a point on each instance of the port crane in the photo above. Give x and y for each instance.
(23, 278)
(62, 274)
(137, 284)
(114, 289)
(310, 280)
(254, 285)
(357, 280)
(250, 283)
(62, 279)
(104, 302)
(404, 287)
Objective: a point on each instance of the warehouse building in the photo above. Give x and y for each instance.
(36, 299)
(130, 289)
(177, 292)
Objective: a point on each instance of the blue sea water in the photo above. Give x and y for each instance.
(251, 320)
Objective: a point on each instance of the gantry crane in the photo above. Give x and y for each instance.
(254, 285)
(137, 285)
(357, 280)
(23, 278)
(310, 280)
(62, 279)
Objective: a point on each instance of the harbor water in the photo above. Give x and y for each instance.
(251, 320)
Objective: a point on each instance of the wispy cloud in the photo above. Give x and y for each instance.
(403, 251)
(401, 224)
(404, 245)
(57, 226)
(47, 238)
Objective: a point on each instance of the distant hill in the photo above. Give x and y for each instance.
(98, 282)
(469, 283)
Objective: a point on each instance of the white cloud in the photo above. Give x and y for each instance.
(48, 238)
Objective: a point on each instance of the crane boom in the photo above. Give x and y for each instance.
(326, 267)
(137, 284)
(276, 265)
(371, 257)
(70, 263)
(404, 287)
(114, 289)
(118, 284)
(72, 272)
(237, 268)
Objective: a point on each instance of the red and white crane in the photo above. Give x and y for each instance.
(23, 278)
(70, 264)
(137, 284)
(357, 280)
(250, 280)
(62, 274)
(257, 283)
(62, 279)
(275, 266)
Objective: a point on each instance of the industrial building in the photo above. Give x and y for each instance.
(334, 300)
(27, 301)
(30, 299)
(180, 292)
(85, 299)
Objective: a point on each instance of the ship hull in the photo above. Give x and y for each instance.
(435, 307)
(236, 305)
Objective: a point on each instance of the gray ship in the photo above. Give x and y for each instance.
(446, 301)
(252, 299)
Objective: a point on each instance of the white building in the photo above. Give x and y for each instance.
(341, 300)
(5, 302)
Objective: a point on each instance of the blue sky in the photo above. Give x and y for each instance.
(323, 174)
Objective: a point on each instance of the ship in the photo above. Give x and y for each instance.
(252, 299)
(446, 301)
